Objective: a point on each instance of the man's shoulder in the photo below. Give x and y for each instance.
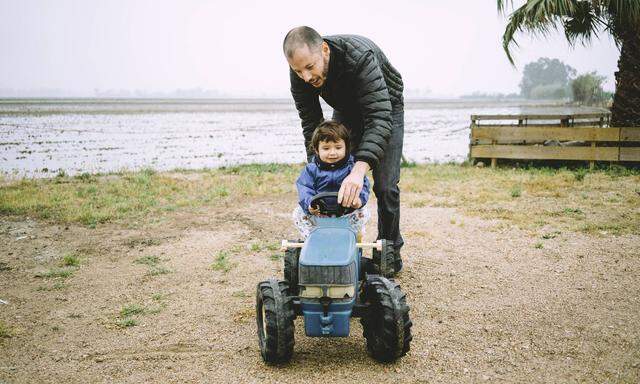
(351, 43)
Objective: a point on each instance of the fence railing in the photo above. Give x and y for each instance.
(585, 137)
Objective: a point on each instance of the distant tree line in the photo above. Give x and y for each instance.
(552, 79)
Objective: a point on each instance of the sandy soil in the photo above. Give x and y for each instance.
(486, 304)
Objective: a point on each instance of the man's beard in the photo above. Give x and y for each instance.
(325, 70)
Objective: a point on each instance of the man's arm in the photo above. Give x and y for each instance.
(308, 106)
(375, 107)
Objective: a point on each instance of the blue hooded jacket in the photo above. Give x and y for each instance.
(318, 176)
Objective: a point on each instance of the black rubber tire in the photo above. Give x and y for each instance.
(275, 328)
(366, 267)
(291, 257)
(386, 324)
(384, 260)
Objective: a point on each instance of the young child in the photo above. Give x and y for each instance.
(331, 164)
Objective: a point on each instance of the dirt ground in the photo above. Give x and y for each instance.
(487, 304)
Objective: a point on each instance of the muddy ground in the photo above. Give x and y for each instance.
(489, 302)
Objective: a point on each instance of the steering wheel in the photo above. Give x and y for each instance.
(327, 203)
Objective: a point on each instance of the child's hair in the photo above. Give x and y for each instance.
(329, 130)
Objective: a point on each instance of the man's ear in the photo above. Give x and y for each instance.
(325, 49)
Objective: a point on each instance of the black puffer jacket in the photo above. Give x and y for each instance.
(363, 86)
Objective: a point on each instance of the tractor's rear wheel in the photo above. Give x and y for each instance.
(274, 317)
(291, 257)
(384, 259)
(386, 325)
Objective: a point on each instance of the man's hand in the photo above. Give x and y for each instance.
(352, 185)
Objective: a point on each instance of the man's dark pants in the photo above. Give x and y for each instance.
(386, 175)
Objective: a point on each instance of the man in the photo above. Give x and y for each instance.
(354, 77)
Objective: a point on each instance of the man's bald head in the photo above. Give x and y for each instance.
(298, 38)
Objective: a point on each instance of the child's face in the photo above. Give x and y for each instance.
(332, 151)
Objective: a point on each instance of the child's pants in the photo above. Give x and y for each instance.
(305, 223)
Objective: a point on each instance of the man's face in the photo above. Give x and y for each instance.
(311, 66)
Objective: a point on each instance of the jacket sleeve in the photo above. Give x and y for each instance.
(364, 194)
(306, 190)
(375, 107)
(308, 106)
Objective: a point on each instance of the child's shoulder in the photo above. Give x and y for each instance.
(311, 168)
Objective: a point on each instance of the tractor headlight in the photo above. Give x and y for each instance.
(334, 292)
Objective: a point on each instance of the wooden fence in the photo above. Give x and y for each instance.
(585, 137)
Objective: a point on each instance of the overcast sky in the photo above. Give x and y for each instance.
(450, 48)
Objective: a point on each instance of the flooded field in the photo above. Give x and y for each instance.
(39, 138)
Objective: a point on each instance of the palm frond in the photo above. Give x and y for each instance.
(539, 17)
(622, 14)
(583, 24)
(502, 5)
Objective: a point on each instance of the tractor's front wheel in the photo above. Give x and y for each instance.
(386, 325)
(274, 317)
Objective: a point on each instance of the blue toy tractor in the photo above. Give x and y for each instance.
(328, 281)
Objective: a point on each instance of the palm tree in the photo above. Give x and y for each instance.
(581, 21)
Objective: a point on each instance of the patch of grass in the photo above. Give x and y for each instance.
(615, 228)
(158, 270)
(130, 310)
(134, 196)
(135, 242)
(5, 332)
(56, 286)
(151, 261)
(129, 314)
(275, 256)
(126, 322)
(580, 173)
(51, 273)
(418, 204)
(221, 262)
(70, 260)
(272, 246)
(551, 235)
(259, 246)
(158, 299)
(538, 245)
(407, 163)
(85, 177)
(616, 170)
(158, 296)
(572, 211)
(136, 199)
(516, 191)
(256, 169)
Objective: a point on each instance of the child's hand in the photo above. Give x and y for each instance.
(357, 203)
(314, 211)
